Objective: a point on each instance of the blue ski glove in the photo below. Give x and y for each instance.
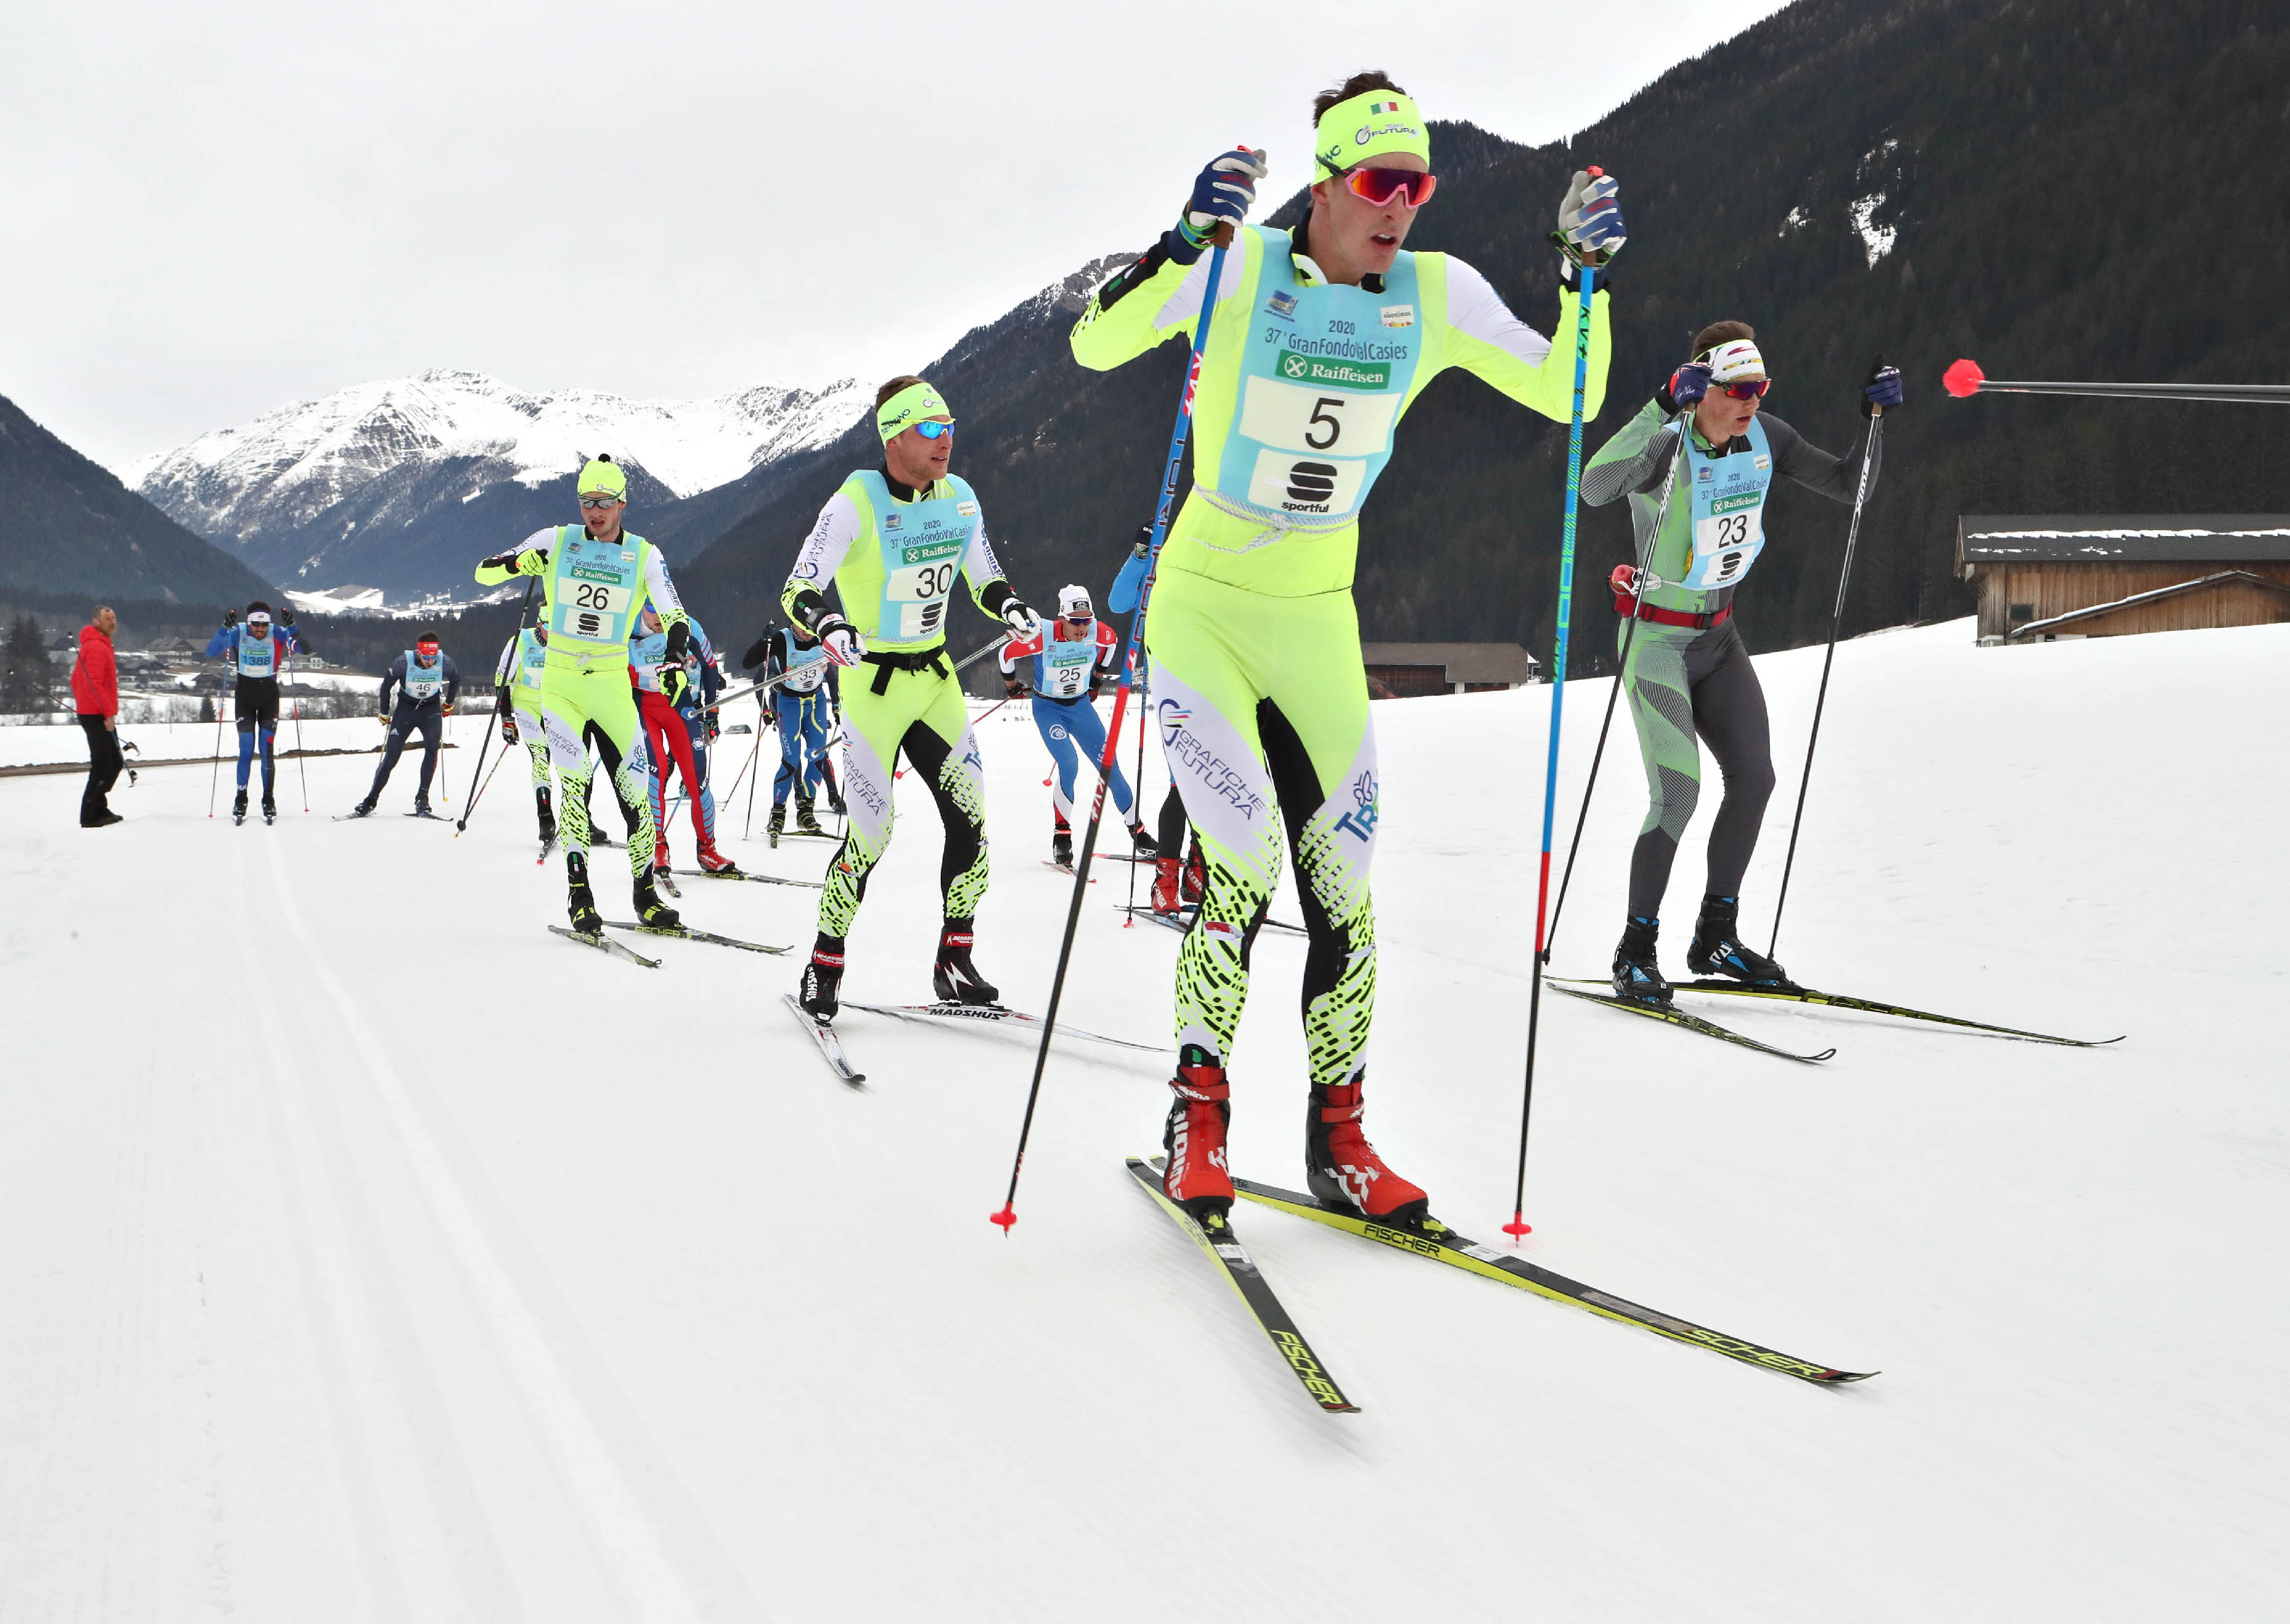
(1222, 195)
(1881, 389)
(1590, 230)
(1688, 384)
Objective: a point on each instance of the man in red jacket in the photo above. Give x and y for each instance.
(95, 695)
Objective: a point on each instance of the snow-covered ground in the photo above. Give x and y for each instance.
(369, 1252)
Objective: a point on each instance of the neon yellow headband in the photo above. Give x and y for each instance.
(1372, 125)
(910, 407)
(603, 476)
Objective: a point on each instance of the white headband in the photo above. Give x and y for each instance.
(1738, 359)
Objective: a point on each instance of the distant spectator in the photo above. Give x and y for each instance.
(95, 696)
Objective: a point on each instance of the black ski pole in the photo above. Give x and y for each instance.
(214, 775)
(1008, 1215)
(1137, 788)
(484, 746)
(1836, 620)
(1622, 666)
(302, 755)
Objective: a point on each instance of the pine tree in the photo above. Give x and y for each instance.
(28, 681)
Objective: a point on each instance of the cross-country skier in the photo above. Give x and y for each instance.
(516, 700)
(802, 711)
(595, 578)
(256, 651)
(1180, 874)
(1071, 658)
(1322, 337)
(893, 540)
(427, 686)
(1688, 671)
(678, 730)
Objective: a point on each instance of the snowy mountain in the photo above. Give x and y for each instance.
(393, 484)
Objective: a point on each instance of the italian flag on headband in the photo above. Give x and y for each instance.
(1377, 110)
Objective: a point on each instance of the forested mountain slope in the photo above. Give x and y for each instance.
(2058, 189)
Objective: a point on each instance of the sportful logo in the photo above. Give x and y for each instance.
(1359, 822)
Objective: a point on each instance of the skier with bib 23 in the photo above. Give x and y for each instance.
(1322, 337)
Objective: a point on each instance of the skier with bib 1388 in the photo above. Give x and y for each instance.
(892, 540)
(255, 652)
(427, 686)
(1322, 337)
(1070, 658)
(595, 580)
(1687, 670)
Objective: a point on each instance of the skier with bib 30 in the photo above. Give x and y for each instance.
(596, 579)
(1687, 670)
(1070, 659)
(892, 540)
(255, 652)
(1321, 340)
(517, 700)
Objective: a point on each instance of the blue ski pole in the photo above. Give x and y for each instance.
(1008, 1215)
(1589, 277)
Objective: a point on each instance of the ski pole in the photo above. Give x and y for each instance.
(755, 760)
(485, 744)
(1622, 667)
(1008, 1215)
(1137, 788)
(301, 757)
(1964, 379)
(483, 786)
(1836, 619)
(215, 776)
(1588, 278)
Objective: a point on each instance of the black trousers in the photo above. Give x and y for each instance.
(103, 765)
(427, 719)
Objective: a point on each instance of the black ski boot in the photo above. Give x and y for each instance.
(421, 804)
(823, 980)
(548, 817)
(1062, 848)
(954, 978)
(777, 825)
(363, 809)
(651, 910)
(806, 822)
(1146, 845)
(580, 901)
(238, 808)
(1637, 976)
(269, 809)
(1717, 949)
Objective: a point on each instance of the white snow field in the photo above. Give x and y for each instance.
(368, 1252)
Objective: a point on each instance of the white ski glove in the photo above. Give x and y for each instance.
(1590, 230)
(1022, 622)
(841, 640)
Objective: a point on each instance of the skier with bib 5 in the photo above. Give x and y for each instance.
(1322, 337)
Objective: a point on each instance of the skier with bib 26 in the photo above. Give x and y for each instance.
(596, 579)
(892, 540)
(1322, 337)
(427, 686)
(1688, 671)
(1071, 658)
(256, 651)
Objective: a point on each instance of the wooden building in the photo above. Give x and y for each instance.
(1406, 671)
(2089, 575)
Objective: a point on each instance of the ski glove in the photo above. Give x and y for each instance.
(841, 640)
(508, 729)
(1222, 195)
(1880, 388)
(1688, 384)
(673, 681)
(1014, 687)
(229, 619)
(1590, 230)
(1022, 622)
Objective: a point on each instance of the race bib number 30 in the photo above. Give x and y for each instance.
(914, 599)
(1727, 544)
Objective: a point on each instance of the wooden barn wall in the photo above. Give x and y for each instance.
(2058, 588)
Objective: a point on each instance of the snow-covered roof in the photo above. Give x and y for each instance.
(2138, 538)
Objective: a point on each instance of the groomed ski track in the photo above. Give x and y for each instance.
(527, 1286)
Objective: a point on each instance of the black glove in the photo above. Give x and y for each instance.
(509, 728)
(1144, 542)
(680, 638)
(673, 682)
(711, 727)
(1881, 388)
(287, 618)
(1015, 687)
(229, 619)
(501, 561)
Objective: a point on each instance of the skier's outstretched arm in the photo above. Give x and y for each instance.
(530, 559)
(1483, 336)
(1160, 295)
(1635, 459)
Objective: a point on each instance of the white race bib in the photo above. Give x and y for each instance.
(1725, 546)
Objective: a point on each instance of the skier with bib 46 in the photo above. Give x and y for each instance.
(427, 686)
(1688, 671)
(595, 580)
(1322, 337)
(892, 540)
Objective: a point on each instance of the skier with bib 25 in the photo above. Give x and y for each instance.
(1322, 337)
(1071, 658)
(595, 580)
(1688, 671)
(892, 540)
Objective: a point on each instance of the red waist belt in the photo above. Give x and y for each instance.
(1674, 617)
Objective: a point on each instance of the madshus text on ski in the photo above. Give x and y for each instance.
(1308, 345)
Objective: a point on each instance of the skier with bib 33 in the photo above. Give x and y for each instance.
(1688, 672)
(802, 711)
(595, 580)
(1071, 658)
(892, 540)
(256, 651)
(1322, 337)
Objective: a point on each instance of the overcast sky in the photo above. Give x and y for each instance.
(220, 210)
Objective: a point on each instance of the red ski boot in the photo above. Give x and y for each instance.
(1196, 877)
(1343, 1170)
(1164, 884)
(716, 862)
(1199, 1179)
